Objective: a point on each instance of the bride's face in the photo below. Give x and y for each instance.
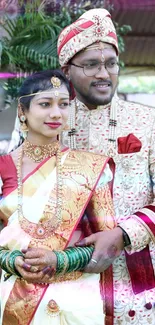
(48, 114)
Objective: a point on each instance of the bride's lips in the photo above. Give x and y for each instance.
(53, 125)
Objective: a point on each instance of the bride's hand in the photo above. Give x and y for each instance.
(36, 273)
(39, 258)
(19, 260)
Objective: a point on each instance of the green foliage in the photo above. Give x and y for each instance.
(122, 30)
(31, 38)
(30, 43)
(140, 84)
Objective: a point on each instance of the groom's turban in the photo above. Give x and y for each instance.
(93, 26)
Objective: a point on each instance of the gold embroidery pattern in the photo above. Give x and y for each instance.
(78, 181)
(100, 210)
(22, 302)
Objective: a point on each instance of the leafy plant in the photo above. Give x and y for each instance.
(27, 40)
(30, 41)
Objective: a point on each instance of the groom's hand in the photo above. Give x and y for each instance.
(108, 245)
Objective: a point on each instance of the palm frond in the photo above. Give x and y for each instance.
(45, 56)
(9, 27)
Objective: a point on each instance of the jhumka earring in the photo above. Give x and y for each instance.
(22, 119)
(23, 125)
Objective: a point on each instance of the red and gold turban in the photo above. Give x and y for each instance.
(93, 26)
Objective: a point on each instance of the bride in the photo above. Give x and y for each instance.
(51, 198)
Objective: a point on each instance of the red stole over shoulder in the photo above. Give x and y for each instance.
(140, 264)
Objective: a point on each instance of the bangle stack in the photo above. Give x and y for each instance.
(73, 259)
(7, 261)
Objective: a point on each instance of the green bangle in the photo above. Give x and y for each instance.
(11, 261)
(73, 259)
(3, 260)
(7, 261)
(61, 262)
(78, 257)
(66, 263)
(9, 269)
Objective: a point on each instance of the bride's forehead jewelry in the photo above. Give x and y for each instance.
(57, 84)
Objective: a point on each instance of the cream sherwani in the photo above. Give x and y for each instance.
(133, 191)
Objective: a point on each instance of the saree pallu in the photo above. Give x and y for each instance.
(76, 294)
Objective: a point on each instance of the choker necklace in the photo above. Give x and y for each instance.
(39, 152)
(46, 226)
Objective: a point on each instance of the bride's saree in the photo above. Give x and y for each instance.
(80, 174)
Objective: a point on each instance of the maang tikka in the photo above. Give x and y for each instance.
(56, 83)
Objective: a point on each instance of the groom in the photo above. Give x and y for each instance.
(101, 122)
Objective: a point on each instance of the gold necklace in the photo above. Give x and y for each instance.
(47, 224)
(39, 152)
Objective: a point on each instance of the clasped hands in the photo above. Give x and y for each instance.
(37, 266)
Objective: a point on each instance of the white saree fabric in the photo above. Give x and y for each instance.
(79, 302)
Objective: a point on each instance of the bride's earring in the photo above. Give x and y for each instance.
(23, 125)
(22, 119)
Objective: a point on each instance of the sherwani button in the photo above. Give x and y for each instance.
(131, 313)
(125, 163)
(95, 143)
(148, 305)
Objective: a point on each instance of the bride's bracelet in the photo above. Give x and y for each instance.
(73, 259)
(7, 261)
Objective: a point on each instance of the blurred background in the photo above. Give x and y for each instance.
(28, 38)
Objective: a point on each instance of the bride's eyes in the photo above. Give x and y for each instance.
(44, 104)
(48, 104)
(64, 105)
